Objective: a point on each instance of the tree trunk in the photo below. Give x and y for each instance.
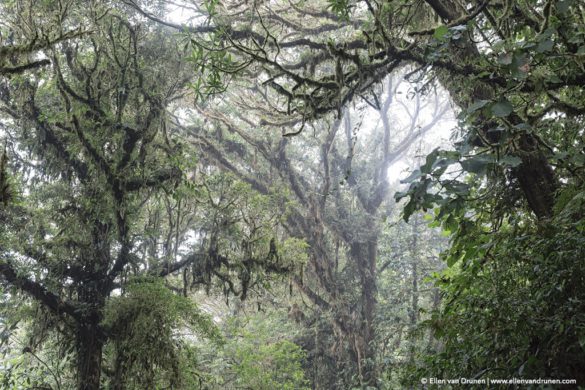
(364, 255)
(414, 307)
(90, 336)
(536, 178)
(89, 357)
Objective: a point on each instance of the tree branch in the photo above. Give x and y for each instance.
(40, 293)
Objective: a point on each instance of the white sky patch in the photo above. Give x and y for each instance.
(400, 117)
(182, 13)
(399, 170)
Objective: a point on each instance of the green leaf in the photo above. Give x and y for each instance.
(476, 164)
(408, 210)
(545, 46)
(520, 65)
(502, 109)
(477, 105)
(505, 59)
(461, 27)
(401, 194)
(340, 7)
(412, 177)
(523, 126)
(430, 162)
(456, 187)
(563, 6)
(452, 260)
(440, 32)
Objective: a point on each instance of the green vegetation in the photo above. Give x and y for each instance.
(215, 203)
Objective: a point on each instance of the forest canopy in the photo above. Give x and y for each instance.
(207, 194)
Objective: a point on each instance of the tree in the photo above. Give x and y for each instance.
(257, 354)
(104, 203)
(408, 258)
(89, 140)
(337, 194)
(94, 123)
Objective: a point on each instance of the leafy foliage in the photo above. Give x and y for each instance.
(258, 353)
(518, 291)
(109, 222)
(144, 324)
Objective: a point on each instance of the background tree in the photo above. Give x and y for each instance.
(23, 34)
(338, 193)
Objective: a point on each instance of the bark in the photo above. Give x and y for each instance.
(536, 178)
(38, 292)
(90, 337)
(436, 304)
(89, 357)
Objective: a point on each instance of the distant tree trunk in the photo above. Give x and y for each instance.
(414, 270)
(436, 304)
(365, 255)
(119, 374)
